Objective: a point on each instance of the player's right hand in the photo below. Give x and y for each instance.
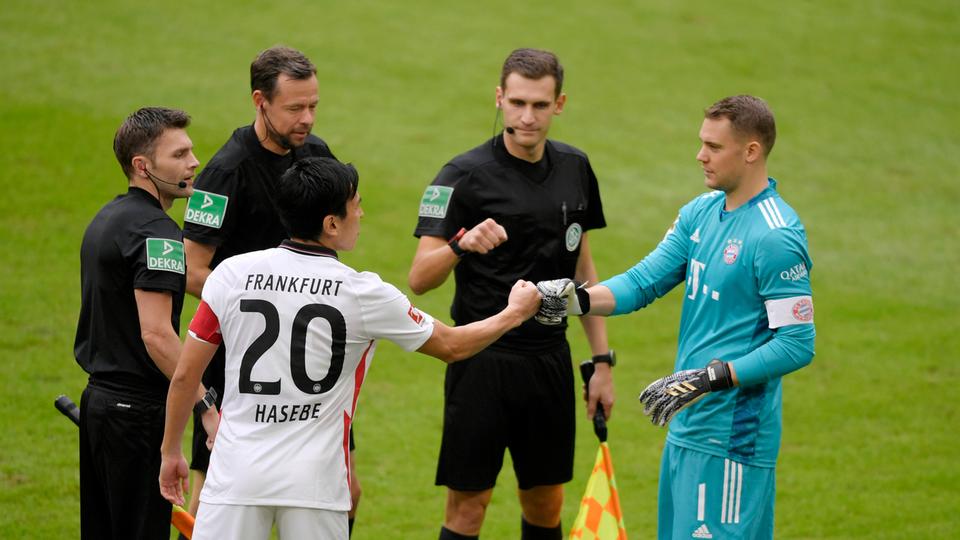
(525, 298)
(174, 478)
(483, 237)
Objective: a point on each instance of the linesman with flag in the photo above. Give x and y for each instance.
(132, 277)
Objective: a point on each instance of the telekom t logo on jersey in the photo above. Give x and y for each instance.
(693, 282)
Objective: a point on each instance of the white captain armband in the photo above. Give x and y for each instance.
(205, 326)
(788, 311)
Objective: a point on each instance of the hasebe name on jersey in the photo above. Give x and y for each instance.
(292, 284)
(274, 414)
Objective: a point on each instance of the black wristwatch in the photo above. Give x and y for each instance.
(454, 243)
(609, 358)
(206, 402)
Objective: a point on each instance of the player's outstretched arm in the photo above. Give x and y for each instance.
(457, 343)
(667, 396)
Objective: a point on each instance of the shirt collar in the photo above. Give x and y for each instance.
(308, 249)
(145, 195)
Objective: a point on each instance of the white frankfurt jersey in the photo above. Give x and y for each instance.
(300, 329)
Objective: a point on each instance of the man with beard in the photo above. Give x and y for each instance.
(232, 210)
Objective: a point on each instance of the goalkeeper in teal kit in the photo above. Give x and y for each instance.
(747, 320)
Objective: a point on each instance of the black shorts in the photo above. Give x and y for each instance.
(120, 436)
(498, 400)
(213, 378)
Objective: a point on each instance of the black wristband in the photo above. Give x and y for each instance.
(718, 375)
(454, 243)
(583, 298)
(609, 358)
(208, 400)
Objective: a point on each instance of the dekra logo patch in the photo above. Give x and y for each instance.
(435, 201)
(165, 254)
(205, 208)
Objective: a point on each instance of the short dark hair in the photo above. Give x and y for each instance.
(267, 67)
(312, 189)
(533, 64)
(138, 134)
(749, 115)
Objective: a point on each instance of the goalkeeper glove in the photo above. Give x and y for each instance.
(561, 297)
(665, 397)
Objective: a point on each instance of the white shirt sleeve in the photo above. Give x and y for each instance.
(388, 314)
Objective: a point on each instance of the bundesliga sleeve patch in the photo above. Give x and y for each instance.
(788, 311)
(166, 255)
(415, 314)
(205, 326)
(435, 201)
(207, 209)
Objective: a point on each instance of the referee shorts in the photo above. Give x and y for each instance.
(120, 436)
(501, 400)
(705, 496)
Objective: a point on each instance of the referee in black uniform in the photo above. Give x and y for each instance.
(516, 207)
(132, 279)
(232, 209)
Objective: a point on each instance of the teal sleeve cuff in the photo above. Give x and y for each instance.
(623, 293)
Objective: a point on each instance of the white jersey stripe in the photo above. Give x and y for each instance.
(776, 210)
(765, 216)
(723, 500)
(772, 210)
(732, 491)
(736, 517)
(701, 501)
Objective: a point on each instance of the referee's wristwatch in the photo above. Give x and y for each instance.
(208, 401)
(608, 358)
(454, 243)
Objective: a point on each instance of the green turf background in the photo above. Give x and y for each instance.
(865, 95)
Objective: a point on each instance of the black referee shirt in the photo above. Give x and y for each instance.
(545, 208)
(130, 244)
(232, 205)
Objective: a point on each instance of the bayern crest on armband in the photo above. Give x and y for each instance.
(803, 310)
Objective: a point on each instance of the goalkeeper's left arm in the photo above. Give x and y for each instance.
(790, 349)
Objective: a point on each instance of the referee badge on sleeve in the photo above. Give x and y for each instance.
(165, 254)
(435, 201)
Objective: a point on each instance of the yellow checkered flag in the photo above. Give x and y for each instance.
(600, 516)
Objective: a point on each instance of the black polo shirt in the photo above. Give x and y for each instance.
(130, 244)
(545, 208)
(232, 206)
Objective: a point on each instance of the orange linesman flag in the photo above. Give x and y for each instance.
(182, 520)
(600, 516)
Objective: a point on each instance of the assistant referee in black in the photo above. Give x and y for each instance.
(132, 277)
(516, 207)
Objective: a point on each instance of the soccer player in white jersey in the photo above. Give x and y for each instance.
(747, 321)
(300, 329)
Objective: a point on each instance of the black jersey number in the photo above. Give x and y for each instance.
(298, 347)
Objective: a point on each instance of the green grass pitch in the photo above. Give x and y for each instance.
(865, 95)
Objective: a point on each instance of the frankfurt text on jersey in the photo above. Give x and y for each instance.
(292, 284)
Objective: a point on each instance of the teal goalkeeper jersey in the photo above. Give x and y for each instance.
(748, 301)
